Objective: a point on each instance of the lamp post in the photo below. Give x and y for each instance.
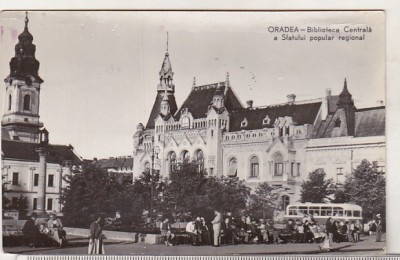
(154, 155)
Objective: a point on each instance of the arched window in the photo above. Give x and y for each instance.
(9, 102)
(172, 162)
(254, 168)
(278, 164)
(185, 122)
(232, 169)
(285, 201)
(199, 160)
(27, 102)
(146, 167)
(185, 156)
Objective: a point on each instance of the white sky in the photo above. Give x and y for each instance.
(101, 68)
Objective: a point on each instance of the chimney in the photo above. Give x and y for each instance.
(291, 98)
(328, 92)
(249, 103)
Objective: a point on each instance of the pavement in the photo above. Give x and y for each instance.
(78, 246)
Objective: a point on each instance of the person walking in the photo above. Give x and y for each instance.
(31, 231)
(378, 222)
(216, 222)
(96, 246)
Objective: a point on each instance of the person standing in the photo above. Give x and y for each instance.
(31, 231)
(96, 246)
(328, 241)
(216, 222)
(378, 222)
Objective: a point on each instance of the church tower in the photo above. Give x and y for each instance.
(21, 118)
(165, 93)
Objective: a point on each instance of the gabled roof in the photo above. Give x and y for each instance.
(301, 114)
(200, 99)
(24, 151)
(116, 163)
(156, 108)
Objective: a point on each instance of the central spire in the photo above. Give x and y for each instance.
(167, 42)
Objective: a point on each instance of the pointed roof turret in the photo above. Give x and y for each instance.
(345, 98)
(24, 65)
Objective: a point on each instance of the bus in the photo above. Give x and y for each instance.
(322, 211)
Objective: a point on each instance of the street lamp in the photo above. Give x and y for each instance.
(154, 155)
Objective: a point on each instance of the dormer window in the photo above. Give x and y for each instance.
(266, 120)
(337, 122)
(244, 123)
(185, 122)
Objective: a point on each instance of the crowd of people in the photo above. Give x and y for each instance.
(246, 230)
(48, 233)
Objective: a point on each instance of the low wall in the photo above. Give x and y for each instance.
(117, 235)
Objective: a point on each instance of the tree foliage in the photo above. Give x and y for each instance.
(264, 201)
(191, 191)
(95, 191)
(316, 188)
(366, 187)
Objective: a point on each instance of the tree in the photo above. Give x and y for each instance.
(264, 201)
(95, 191)
(5, 201)
(316, 188)
(226, 194)
(366, 187)
(185, 191)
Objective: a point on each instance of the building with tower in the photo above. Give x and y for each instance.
(31, 166)
(280, 143)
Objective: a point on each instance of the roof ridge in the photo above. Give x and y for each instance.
(302, 102)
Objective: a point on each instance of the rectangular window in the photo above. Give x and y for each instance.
(298, 169)
(278, 169)
(34, 206)
(254, 170)
(292, 172)
(211, 171)
(212, 133)
(36, 180)
(49, 204)
(15, 178)
(50, 182)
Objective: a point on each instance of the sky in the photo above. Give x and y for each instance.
(100, 69)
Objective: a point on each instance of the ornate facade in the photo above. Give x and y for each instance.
(279, 143)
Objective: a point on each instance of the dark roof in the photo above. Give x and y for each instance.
(116, 163)
(200, 99)
(370, 122)
(25, 151)
(156, 108)
(301, 114)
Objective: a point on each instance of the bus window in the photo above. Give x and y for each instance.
(337, 211)
(293, 210)
(303, 210)
(326, 211)
(314, 211)
(356, 213)
(348, 213)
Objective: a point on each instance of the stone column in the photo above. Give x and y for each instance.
(41, 206)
